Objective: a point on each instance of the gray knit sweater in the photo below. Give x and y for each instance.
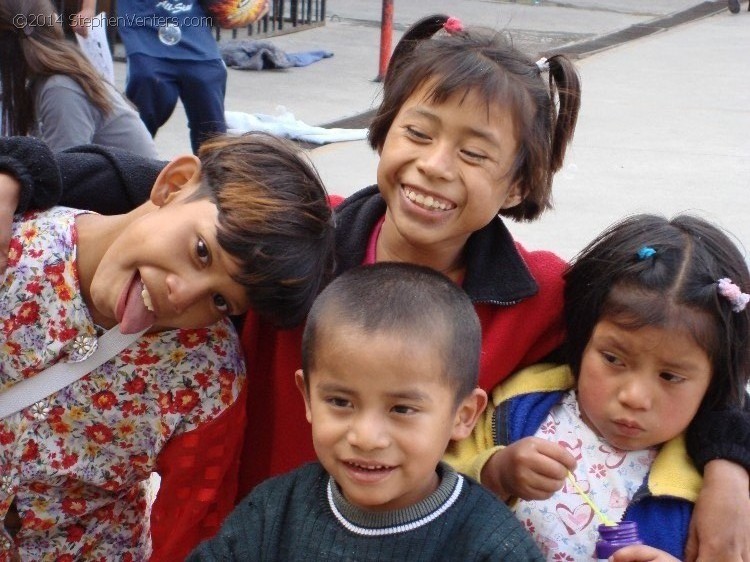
(303, 516)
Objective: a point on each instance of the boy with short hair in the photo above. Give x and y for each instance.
(390, 367)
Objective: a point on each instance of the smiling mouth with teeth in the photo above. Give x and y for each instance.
(369, 468)
(428, 201)
(147, 299)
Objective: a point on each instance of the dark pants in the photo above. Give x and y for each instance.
(154, 84)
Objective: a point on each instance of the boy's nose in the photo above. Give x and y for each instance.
(367, 433)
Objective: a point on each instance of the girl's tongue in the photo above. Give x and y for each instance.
(135, 316)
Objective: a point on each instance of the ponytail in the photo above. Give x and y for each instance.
(565, 82)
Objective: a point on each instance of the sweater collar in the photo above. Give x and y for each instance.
(378, 523)
(495, 271)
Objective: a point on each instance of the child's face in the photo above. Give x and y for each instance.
(382, 415)
(173, 253)
(444, 169)
(640, 388)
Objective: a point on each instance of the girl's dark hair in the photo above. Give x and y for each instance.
(673, 287)
(413, 302)
(36, 49)
(274, 219)
(483, 61)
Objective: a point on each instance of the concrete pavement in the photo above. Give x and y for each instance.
(663, 127)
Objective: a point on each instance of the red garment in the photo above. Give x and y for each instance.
(198, 472)
(513, 336)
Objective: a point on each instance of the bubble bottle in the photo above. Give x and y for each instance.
(615, 537)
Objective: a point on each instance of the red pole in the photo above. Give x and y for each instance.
(386, 36)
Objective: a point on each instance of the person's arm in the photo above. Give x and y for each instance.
(106, 180)
(32, 165)
(198, 471)
(81, 22)
(96, 178)
(719, 444)
(9, 191)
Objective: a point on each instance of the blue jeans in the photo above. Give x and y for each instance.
(154, 84)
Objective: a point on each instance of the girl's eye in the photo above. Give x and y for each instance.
(671, 378)
(416, 134)
(611, 358)
(475, 156)
(221, 304)
(201, 250)
(403, 409)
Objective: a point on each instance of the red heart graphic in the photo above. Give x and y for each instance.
(576, 520)
(575, 450)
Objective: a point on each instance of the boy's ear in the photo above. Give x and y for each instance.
(467, 414)
(515, 196)
(299, 379)
(181, 172)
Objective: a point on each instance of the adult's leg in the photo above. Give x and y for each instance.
(202, 88)
(152, 85)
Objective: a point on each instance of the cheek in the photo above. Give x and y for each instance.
(592, 390)
(325, 429)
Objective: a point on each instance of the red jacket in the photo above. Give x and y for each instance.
(517, 295)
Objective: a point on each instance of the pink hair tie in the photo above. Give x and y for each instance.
(453, 26)
(733, 294)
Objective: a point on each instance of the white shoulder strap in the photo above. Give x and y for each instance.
(56, 377)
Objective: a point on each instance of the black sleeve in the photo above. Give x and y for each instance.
(93, 177)
(720, 434)
(33, 164)
(106, 180)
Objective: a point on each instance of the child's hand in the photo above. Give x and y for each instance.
(9, 193)
(641, 553)
(531, 469)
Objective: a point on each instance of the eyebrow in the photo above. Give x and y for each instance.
(688, 368)
(685, 367)
(414, 395)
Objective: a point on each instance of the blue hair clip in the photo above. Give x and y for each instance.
(646, 252)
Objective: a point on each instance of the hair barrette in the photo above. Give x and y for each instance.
(645, 253)
(542, 64)
(453, 26)
(733, 294)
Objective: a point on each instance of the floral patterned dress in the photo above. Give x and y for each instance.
(75, 465)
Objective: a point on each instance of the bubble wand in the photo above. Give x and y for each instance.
(607, 521)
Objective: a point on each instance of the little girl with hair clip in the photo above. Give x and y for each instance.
(470, 132)
(657, 329)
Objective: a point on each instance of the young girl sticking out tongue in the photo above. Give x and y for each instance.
(246, 225)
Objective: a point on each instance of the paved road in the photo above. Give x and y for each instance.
(342, 86)
(664, 122)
